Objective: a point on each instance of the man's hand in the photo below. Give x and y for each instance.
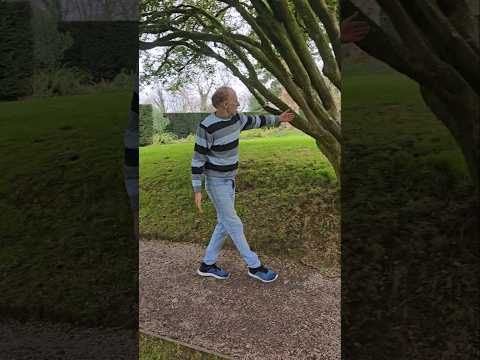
(198, 201)
(352, 31)
(287, 116)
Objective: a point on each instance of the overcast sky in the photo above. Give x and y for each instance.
(145, 90)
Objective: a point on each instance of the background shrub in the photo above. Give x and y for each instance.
(16, 50)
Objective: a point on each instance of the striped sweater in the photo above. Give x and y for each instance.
(216, 145)
(131, 149)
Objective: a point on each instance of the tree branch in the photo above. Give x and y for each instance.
(299, 43)
(330, 22)
(331, 68)
(446, 40)
(277, 33)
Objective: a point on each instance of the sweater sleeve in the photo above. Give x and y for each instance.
(203, 143)
(257, 121)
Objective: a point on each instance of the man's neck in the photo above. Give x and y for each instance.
(222, 114)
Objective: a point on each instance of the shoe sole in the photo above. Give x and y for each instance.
(211, 275)
(265, 281)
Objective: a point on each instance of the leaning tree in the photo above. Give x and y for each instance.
(297, 42)
(435, 43)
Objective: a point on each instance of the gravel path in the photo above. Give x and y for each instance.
(296, 317)
(59, 341)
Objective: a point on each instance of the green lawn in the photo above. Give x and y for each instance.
(62, 160)
(286, 197)
(152, 348)
(394, 126)
(409, 249)
(69, 150)
(286, 189)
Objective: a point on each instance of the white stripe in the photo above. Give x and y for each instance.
(197, 163)
(223, 161)
(201, 141)
(227, 138)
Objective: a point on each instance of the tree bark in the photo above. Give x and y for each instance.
(463, 125)
(448, 81)
(331, 150)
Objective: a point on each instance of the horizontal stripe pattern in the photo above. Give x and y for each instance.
(216, 144)
(197, 170)
(257, 121)
(228, 138)
(225, 147)
(223, 124)
(131, 152)
(201, 149)
(220, 160)
(222, 168)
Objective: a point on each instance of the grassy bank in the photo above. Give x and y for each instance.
(152, 348)
(409, 249)
(286, 197)
(65, 240)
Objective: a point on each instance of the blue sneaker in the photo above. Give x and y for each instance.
(213, 271)
(263, 274)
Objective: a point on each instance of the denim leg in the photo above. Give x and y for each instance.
(215, 245)
(222, 194)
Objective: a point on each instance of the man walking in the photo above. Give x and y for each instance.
(216, 159)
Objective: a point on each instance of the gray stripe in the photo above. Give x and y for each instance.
(198, 156)
(226, 131)
(227, 138)
(220, 174)
(271, 120)
(209, 120)
(258, 122)
(201, 137)
(197, 161)
(201, 141)
(225, 154)
(222, 161)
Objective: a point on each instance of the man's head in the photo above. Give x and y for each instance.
(225, 101)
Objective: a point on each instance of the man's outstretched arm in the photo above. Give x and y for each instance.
(257, 121)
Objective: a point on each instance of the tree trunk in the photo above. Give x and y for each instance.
(332, 152)
(462, 123)
(326, 142)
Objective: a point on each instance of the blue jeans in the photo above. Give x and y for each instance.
(222, 193)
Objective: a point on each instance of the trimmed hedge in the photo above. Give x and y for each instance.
(184, 124)
(102, 48)
(145, 125)
(16, 50)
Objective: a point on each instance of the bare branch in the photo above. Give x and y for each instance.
(329, 21)
(331, 68)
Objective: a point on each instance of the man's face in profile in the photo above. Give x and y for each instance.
(231, 105)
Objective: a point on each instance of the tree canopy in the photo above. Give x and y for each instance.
(298, 43)
(295, 42)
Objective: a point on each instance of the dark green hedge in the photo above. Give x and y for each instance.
(16, 50)
(145, 125)
(184, 124)
(102, 48)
